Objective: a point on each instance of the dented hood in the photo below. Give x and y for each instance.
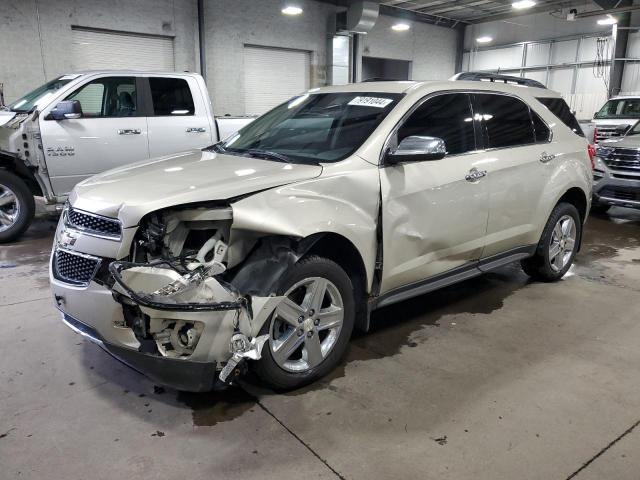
(131, 192)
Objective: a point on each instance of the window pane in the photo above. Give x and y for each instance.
(447, 117)
(107, 97)
(506, 119)
(542, 130)
(325, 127)
(90, 98)
(561, 110)
(171, 96)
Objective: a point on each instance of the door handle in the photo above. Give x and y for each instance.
(196, 130)
(546, 158)
(474, 175)
(129, 131)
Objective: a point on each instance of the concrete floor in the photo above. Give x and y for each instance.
(494, 378)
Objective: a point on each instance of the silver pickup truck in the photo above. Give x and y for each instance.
(81, 124)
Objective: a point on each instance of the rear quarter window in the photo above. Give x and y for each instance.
(560, 109)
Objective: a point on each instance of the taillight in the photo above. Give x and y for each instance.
(591, 149)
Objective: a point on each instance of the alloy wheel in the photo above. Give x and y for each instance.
(9, 208)
(563, 242)
(306, 325)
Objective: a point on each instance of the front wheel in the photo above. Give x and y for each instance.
(557, 247)
(17, 207)
(309, 331)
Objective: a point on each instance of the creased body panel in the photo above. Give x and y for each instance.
(188, 177)
(433, 219)
(345, 201)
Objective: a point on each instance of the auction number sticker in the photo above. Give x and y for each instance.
(371, 102)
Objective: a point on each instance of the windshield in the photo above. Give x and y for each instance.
(621, 108)
(39, 95)
(313, 128)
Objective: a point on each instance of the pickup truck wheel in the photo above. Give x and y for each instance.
(558, 245)
(310, 330)
(17, 207)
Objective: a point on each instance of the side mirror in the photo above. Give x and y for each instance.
(417, 149)
(65, 110)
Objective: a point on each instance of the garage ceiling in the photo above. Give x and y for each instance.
(475, 11)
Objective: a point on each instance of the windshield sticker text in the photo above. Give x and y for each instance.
(371, 102)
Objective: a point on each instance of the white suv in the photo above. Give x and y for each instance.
(266, 250)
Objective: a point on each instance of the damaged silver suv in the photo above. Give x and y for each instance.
(266, 250)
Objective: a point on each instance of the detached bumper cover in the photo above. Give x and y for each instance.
(180, 374)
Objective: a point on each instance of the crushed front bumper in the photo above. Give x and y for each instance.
(176, 373)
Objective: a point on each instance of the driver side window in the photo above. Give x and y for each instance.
(107, 97)
(448, 117)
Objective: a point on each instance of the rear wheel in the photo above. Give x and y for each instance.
(309, 331)
(557, 247)
(17, 207)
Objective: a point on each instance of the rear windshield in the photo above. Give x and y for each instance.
(620, 108)
(561, 110)
(315, 128)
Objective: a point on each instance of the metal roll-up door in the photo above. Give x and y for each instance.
(271, 76)
(104, 50)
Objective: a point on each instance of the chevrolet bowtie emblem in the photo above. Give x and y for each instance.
(66, 239)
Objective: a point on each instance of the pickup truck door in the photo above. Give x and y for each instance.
(434, 213)
(179, 116)
(111, 132)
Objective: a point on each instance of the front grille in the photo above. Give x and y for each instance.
(73, 267)
(625, 159)
(604, 133)
(93, 224)
(620, 194)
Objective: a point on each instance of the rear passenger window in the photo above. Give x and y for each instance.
(543, 134)
(506, 119)
(561, 110)
(171, 96)
(447, 117)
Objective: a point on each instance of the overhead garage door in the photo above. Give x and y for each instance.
(104, 50)
(271, 76)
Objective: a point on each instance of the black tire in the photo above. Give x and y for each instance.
(539, 266)
(599, 208)
(25, 201)
(272, 374)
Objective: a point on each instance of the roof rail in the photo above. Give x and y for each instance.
(496, 77)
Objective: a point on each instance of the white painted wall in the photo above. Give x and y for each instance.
(431, 49)
(28, 60)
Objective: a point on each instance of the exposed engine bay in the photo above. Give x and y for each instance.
(183, 271)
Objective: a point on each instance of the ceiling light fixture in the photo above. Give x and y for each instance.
(291, 10)
(485, 39)
(609, 20)
(400, 27)
(523, 4)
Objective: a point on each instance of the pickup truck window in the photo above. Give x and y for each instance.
(171, 96)
(620, 108)
(314, 128)
(448, 117)
(32, 99)
(107, 97)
